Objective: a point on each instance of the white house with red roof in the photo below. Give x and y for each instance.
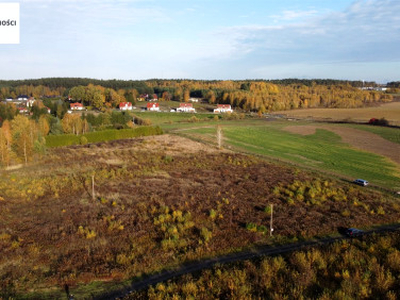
(76, 106)
(125, 106)
(186, 107)
(153, 106)
(22, 110)
(223, 108)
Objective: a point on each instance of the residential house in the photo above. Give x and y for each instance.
(9, 99)
(153, 106)
(186, 107)
(22, 98)
(76, 106)
(22, 110)
(223, 108)
(143, 97)
(125, 106)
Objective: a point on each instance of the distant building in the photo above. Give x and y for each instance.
(143, 97)
(22, 110)
(186, 107)
(125, 106)
(76, 106)
(22, 98)
(223, 108)
(153, 107)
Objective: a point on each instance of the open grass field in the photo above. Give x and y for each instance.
(323, 150)
(165, 118)
(389, 111)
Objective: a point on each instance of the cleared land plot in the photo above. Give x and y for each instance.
(389, 111)
(160, 202)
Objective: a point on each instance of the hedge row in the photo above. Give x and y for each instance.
(100, 136)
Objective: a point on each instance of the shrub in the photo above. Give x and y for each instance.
(380, 211)
(379, 122)
(83, 140)
(193, 119)
(346, 213)
(205, 234)
(213, 214)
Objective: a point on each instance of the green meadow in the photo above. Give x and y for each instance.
(322, 151)
(162, 118)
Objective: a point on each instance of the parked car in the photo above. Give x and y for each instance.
(352, 232)
(361, 182)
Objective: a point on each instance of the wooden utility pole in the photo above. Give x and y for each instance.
(93, 195)
(219, 137)
(271, 229)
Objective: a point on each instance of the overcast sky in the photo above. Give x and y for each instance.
(206, 39)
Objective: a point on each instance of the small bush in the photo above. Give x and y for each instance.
(193, 119)
(379, 122)
(251, 227)
(83, 140)
(346, 213)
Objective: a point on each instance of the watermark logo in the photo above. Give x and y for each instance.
(9, 23)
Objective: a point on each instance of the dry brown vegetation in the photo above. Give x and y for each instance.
(359, 269)
(159, 201)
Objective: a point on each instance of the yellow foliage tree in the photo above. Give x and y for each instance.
(4, 149)
(24, 135)
(43, 125)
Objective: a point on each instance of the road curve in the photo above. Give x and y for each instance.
(229, 258)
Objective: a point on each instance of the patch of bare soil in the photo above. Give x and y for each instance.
(303, 130)
(360, 139)
(174, 144)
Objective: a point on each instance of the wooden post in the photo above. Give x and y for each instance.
(93, 195)
(219, 137)
(270, 225)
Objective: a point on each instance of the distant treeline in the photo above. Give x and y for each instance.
(248, 95)
(69, 82)
(394, 84)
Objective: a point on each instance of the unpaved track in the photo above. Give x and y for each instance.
(360, 139)
(230, 258)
